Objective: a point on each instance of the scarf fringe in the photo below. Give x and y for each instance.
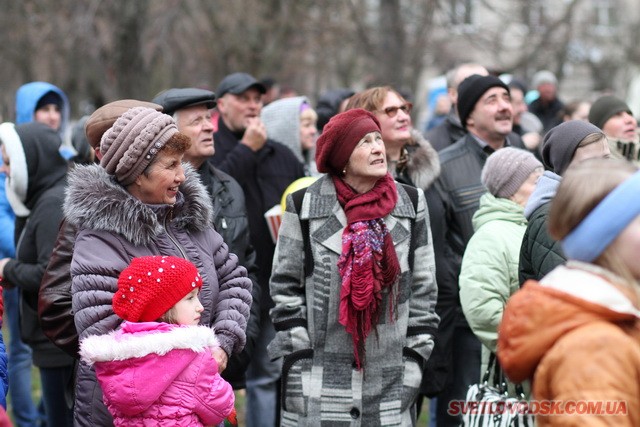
(367, 266)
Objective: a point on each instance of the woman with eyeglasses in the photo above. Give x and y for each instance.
(353, 286)
(412, 160)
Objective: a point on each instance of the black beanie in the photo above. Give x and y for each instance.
(561, 142)
(606, 107)
(471, 89)
(49, 98)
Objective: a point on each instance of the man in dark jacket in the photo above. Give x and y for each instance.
(450, 130)
(190, 108)
(264, 169)
(484, 107)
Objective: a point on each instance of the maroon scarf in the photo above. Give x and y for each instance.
(368, 262)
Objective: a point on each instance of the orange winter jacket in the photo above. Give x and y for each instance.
(576, 335)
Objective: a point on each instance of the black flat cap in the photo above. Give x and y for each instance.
(237, 83)
(175, 99)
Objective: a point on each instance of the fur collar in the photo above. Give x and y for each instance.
(423, 165)
(117, 345)
(94, 200)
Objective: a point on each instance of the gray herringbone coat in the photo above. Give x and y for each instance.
(320, 383)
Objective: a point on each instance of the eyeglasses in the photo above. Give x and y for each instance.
(392, 111)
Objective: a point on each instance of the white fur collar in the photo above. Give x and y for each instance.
(118, 346)
(590, 283)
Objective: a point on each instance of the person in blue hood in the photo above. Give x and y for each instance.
(45, 103)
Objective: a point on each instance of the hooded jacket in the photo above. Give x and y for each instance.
(489, 272)
(282, 120)
(576, 333)
(27, 97)
(159, 374)
(115, 227)
(35, 190)
(540, 253)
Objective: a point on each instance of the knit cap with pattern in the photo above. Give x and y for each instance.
(507, 169)
(129, 146)
(152, 285)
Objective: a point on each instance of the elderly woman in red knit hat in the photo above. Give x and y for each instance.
(354, 286)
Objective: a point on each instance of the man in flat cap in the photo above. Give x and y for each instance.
(264, 168)
(191, 110)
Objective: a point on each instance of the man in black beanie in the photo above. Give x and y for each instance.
(484, 107)
(451, 130)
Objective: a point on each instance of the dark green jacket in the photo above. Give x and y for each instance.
(539, 253)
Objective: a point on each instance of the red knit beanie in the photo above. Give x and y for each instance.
(340, 137)
(151, 285)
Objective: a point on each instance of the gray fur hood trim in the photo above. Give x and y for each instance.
(424, 164)
(94, 200)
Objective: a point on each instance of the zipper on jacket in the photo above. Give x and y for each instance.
(173, 240)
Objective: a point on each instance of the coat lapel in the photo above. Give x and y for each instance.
(325, 211)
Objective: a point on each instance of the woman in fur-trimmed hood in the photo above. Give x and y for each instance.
(140, 201)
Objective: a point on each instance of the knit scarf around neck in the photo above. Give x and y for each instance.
(368, 262)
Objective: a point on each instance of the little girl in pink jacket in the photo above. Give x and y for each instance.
(157, 368)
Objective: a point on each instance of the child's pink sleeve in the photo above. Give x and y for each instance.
(214, 396)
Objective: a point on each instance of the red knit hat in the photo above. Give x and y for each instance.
(340, 137)
(151, 285)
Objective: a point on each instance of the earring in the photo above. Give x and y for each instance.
(344, 171)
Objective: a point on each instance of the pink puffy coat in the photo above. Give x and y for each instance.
(158, 374)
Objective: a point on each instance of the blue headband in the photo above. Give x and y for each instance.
(605, 222)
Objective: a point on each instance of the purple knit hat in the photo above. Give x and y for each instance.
(135, 138)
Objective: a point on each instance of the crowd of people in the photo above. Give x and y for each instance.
(141, 279)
